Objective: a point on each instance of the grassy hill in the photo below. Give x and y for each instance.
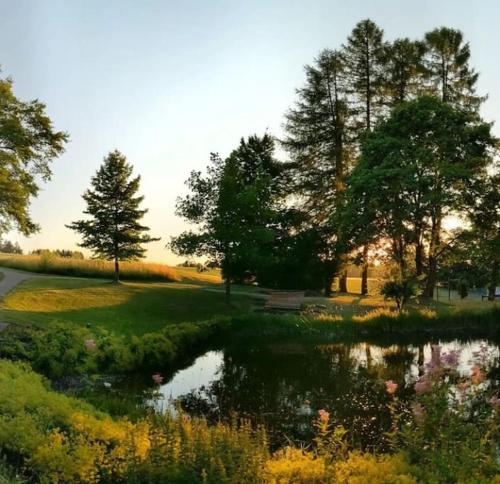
(129, 308)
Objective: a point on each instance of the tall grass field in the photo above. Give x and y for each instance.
(100, 269)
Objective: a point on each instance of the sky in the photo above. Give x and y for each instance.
(169, 82)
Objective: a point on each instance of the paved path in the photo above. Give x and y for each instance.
(11, 278)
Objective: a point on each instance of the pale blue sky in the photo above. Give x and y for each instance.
(167, 82)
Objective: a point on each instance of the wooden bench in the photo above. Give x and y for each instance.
(495, 294)
(285, 301)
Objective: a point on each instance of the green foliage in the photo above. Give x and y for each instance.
(444, 438)
(401, 291)
(414, 170)
(447, 68)
(28, 143)
(233, 207)
(61, 439)
(62, 253)
(7, 247)
(364, 54)
(113, 232)
(57, 350)
(454, 426)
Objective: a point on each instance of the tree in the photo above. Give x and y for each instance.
(480, 245)
(415, 169)
(319, 143)
(28, 143)
(114, 231)
(403, 70)
(448, 70)
(233, 209)
(364, 54)
(7, 247)
(364, 57)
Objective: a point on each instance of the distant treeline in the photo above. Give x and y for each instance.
(66, 254)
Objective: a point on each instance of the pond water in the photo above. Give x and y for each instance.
(283, 385)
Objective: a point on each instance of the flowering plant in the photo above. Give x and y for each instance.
(453, 425)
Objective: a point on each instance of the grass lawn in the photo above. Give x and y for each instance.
(141, 307)
(130, 308)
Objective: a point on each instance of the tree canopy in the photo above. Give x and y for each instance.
(28, 144)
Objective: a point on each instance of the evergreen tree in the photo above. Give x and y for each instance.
(28, 143)
(364, 54)
(448, 69)
(403, 70)
(113, 231)
(319, 143)
(364, 57)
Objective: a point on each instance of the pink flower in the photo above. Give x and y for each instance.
(477, 375)
(157, 378)
(424, 385)
(451, 358)
(463, 386)
(495, 402)
(324, 416)
(390, 387)
(89, 344)
(418, 412)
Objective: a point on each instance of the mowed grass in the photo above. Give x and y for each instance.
(128, 308)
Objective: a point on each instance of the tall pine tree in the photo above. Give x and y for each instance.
(319, 143)
(403, 70)
(448, 69)
(364, 54)
(113, 231)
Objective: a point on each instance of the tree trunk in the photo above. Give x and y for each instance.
(494, 276)
(227, 283)
(329, 277)
(117, 270)
(343, 281)
(433, 255)
(419, 259)
(364, 272)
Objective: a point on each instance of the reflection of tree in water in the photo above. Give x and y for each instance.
(283, 387)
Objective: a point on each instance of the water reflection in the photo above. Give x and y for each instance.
(284, 385)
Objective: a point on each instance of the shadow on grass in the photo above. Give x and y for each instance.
(129, 308)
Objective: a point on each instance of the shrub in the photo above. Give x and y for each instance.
(455, 422)
(401, 291)
(61, 439)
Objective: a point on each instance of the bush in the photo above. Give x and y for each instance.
(57, 349)
(61, 439)
(401, 291)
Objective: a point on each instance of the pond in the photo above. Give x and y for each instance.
(283, 385)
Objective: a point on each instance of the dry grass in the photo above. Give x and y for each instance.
(49, 264)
